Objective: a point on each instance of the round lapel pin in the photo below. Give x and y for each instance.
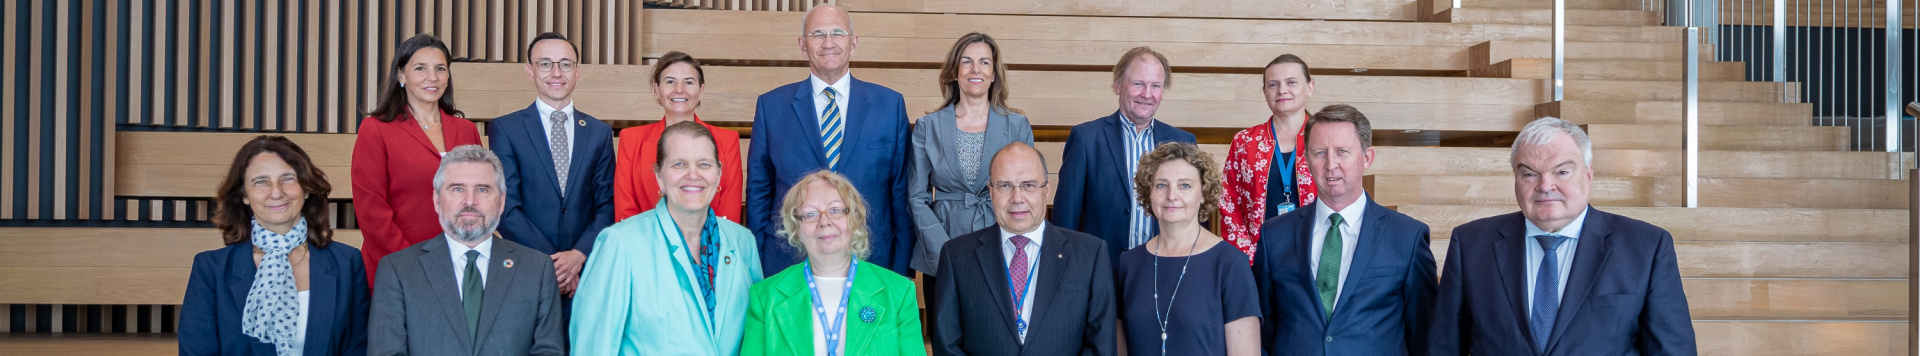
(507, 263)
(867, 315)
(726, 260)
(583, 123)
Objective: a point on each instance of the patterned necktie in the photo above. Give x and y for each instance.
(1019, 268)
(1327, 281)
(557, 141)
(470, 291)
(831, 129)
(1546, 291)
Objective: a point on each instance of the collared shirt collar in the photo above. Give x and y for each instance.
(1131, 129)
(546, 110)
(842, 85)
(1033, 238)
(1352, 214)
(459, 250)
(1572, 231)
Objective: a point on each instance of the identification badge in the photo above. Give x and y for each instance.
(1283, 208)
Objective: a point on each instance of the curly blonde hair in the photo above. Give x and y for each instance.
(856, 212)
(1202, 161)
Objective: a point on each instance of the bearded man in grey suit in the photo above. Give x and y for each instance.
(467, 292)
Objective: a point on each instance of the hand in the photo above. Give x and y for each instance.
(566, 269)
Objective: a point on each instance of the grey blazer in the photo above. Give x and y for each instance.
(944, 203)
(417, 310)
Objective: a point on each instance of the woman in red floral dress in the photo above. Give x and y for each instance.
(1260, 163)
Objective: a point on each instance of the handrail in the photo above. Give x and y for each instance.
(1559, 50)
(1690, 127)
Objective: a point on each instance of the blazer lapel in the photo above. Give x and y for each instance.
(1304, 261)
(794, 313)
(240, 270)
(866, 289)
(1117, 145)
(437, 263)
(1587, 259)
(993, 141)
(499, 283)
(1048, 286)
(1510, 252)
(533, 133)
(419, 135)
(321, 289)
(582, 152)
(994, 269)
(1363, 253)
(859, 102)
(809, 119)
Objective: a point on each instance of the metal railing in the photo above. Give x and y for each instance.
(1853, 60)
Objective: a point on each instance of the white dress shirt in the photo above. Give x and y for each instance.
(305, 298)
(1535, 254)
(459, 252)
(844, 86)
(546, 123)
(1349, 237)
(1033, 270)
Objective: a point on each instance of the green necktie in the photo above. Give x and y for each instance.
(470, 291)
(1328, 280)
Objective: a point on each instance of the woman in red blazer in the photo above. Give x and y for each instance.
(677, 83)
(398, 148)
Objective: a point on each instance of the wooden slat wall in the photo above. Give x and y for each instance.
(72, 73)
(744, 5)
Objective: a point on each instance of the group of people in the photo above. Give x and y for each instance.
(547, 242)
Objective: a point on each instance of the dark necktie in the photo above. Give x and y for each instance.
(1546, 291)
(470, 291)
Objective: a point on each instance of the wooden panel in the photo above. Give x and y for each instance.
(1389, 10)
(1545, 17)
(1668, 112)
(1542, 68)
(1648, 191)
(1723, 137)
(1713, 223)
(1715, 259)
(141, 266)
(1639, 163)
(89, 344)
(1801, 338)
(150, 163)
(1715, 298)
(1622, 90)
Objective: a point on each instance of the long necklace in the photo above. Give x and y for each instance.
(1168, 315)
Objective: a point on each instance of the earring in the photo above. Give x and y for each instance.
(403, 84)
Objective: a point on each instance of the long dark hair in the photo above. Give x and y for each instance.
(393, 97)
(235, 219)
(950, 73)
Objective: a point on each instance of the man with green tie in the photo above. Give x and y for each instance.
(467, 292)
(1343, 276)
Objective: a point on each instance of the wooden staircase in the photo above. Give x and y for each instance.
(1800, 247)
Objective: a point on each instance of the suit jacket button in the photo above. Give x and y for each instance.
(1329, 339)
(563, 210)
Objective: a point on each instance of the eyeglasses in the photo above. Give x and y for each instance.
(837, 35)
(566, 65)
(1026, 187)
(831, 213)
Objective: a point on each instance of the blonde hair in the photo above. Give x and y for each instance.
(856, 227)
(1201, 161)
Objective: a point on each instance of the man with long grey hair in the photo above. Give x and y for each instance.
(491, 277)
(1559, 277)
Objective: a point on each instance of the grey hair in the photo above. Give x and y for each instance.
(1541, 131)
(470, 154)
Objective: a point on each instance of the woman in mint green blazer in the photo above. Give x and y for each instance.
(672, 280)
(815, 308)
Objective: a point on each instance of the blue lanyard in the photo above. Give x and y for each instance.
(1286, 166)
(833, 330)
(1020, 299)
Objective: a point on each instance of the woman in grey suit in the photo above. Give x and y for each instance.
(951, 148)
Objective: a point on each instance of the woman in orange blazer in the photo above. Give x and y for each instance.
(398, 148)
(677, 83)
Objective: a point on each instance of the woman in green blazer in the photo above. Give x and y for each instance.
(814, 308)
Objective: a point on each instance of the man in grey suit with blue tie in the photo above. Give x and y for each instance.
(467, 292)
(1559, 277)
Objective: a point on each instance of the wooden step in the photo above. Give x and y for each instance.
(1801, 337)
(117, 266)
(1777, 259)
(1577, 4)
(1651, 191)
(1593, 69)
(1545, 17)
(1715, 298)
(1381, 10)
(1486, 54)
(1714, 224)
(1669, 112)
(84, 344)
(1049, 98)
(1725, 91)
(1722, 137)
(1449, 161)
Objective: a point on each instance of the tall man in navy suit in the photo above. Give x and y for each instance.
(1559, 277)
(1345, 276)
(830, 121)
(558, 163)
(1095, 192)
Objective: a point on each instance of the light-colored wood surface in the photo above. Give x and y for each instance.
(191, 164)
(1816, 337)
(1495, 51)
(1623, 90)
(1668, 112)
(1713, 259)
(1720, 298)
(89, 344)
(116, 266)
(1713, 223)
(1649, 191)
(1596, 69)
(1722, 137)
(1579, 4)
(1545, 17)
(1640, 163)
(1387, 10)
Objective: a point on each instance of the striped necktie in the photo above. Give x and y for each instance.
(831, 129)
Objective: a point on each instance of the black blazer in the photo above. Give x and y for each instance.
(1073, 297)
(1623, 295)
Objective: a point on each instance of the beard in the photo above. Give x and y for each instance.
(465, 234)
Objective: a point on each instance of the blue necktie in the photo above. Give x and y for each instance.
(831, 129)
(1546, 291)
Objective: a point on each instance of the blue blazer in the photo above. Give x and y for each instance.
(1623, 295)
(1094, 194)
(873, 155)
(210, 316)
(1384, 306)
(536, 215)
